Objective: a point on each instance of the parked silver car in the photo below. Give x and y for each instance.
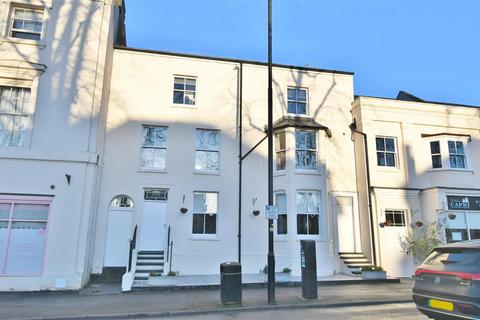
(447, 284)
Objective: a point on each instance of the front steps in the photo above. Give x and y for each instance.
(353, 262)
(148, 261)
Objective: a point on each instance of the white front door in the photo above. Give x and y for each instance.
(345, 223)
(119, 232)
(153, 227)
(392, 257)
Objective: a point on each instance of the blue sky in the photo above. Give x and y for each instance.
(430, 48)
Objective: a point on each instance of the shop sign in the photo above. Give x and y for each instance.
(463, 203)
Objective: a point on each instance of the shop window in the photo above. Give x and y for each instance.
(23, 229)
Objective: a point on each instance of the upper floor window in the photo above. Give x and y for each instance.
(456, 154)
(308, 210)
(305, 149)
(207, 154)
(281, 202)
(386, 153)
(184, 90)
(15, 118)
(154, 147)
(436, 154)
(205, 207)
(280, 151)
(297, 101)
(26, 23)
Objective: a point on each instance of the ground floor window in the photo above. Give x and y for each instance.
(395, 218)
(462, 225)
(205, 212)
(281, 202)
(308, 211)
(23, 226)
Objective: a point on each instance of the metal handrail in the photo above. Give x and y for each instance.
(133, 244)
(168, 243)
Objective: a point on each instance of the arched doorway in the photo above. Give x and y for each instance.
(119, 229)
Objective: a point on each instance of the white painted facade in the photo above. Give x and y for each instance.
(143, 96)
(413, 185)
(64, 69)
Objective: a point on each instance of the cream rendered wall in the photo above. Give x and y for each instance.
(66, 137)
(141, 93)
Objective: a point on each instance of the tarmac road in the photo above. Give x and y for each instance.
(400, 311)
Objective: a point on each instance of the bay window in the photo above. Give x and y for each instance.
(305, 149)
(308, 211)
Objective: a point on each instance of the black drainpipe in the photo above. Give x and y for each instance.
(240, 102)
(353, 127)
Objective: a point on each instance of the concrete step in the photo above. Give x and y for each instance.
(358, 265)
(356, 260)
(150, 256)
(150, 252)
(148, 270)
(352, 255)
(149, 263)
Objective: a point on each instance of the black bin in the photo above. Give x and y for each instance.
(308, 259)
(231, 283)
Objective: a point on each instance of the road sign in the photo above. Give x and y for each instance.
(271, 212)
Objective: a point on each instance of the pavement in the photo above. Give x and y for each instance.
(108, 303)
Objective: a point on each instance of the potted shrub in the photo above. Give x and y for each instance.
(286, 270)
(373, 272)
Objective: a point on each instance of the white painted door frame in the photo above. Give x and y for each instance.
(347, 228)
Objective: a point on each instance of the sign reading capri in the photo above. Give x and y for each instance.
(271, 212)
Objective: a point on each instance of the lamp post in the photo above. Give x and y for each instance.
(271, 256)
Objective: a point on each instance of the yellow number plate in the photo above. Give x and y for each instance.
(444, 305)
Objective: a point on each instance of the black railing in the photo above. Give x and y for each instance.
(171, 253)
(168, 244)
(133, 244)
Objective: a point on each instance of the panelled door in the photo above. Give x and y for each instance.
(153, 227)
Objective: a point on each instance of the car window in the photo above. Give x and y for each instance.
(453, 256)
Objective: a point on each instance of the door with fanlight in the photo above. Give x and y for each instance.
(153, 226)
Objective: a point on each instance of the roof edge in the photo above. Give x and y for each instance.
(357, 97)
(253, 62)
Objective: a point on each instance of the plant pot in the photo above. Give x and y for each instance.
(374, 275)
(183, 210)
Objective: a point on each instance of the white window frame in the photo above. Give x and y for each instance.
(26, 113)
(278, 150)
(195, 92)
(436, 154)
(142, 147)
(445, 153)
(456, 154)
(281, 236)
(319, 214)
(298, 101)
(317, 166)
(205, 236)
(395, 153)
(33, 200)
(208, 171)
(7, 8)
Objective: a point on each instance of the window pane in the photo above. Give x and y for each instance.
(191, 85)
(453, 161)
(25, 35)
(38, 27)
(461, 162)
(29, 25)
(302, 202)
(5, 210)
(435, 147)
(282, 224)
(300, 159)
(211, 199)
(390, 159)
(208, 140)
(437, 161)
(292, 94)
(198, 223)
(189, 97)
(301, 108)
(311, 140)
(313, 224)
(30, 212)
(451, 147)
(281, 202)
(311, 160)
(302, 95)
(380, 158)
(380, 142)
(199, 202)
(155, 137)
(210, 223)
(178, 97)
(302, 224)
(313, 203)
(460, 147)
(121, 202)
(280, 141)
(280, 160)
(3, 242)
(20, 130)
(389, 144)
(6, 128)
(300, 142)
(207, 160)
(153, 158)
(292, 107)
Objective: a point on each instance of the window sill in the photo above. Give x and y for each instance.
(201, 237)
(41, 44)
(388, 169)
(317, 238)
(450, 169)
(281, 238)
(152, 171)
(308, 172)
(208, 173)
(184, 106)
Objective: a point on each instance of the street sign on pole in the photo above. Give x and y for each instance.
(271, 212)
